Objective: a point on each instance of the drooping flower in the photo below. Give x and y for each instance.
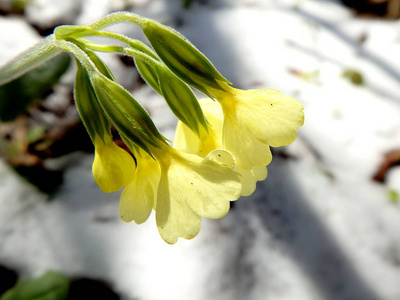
(139, 197)
(187, 141)
(255, 120)
(113, 167)
(181, 188)
(188, 187)
(217, 164)
(192, 187)
(184, 187)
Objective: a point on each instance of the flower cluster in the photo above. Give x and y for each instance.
(222, 143)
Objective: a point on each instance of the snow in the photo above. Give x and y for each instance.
(319, 227)
(12, 29)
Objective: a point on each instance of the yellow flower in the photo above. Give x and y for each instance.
(255, 120)
(139, 197)
(250, 178)
(192, 187)
(186, 141)
(182, 188)
(112, 166)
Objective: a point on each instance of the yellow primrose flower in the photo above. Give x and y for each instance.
(139, 197)
(189, 142)
(112, 166)
(182, 188)
(255, 120)
(192, 187)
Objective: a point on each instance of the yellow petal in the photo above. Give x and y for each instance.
(113, 167)
(250, 178)
(187, 141)
(248, 181)
(213, 112)
(139, 196)
(174, 217)
(208, 184)
(247, 150)
(192, 187)
(259, 173)
(272, 117)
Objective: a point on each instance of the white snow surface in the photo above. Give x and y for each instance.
(318, 227)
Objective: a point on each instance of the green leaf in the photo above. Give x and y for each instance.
(50, 286)
(35, 133)
(16, 95)
(182, 57)
(28, 60)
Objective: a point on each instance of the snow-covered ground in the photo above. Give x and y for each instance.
(319, 227)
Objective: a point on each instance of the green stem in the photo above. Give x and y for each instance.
(74, 31)
(123, 50)
(79, 55)
(136, 44)
(118, 17)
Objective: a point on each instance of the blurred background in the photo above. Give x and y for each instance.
(325, 224)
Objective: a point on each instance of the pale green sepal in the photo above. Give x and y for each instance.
(149, 74)
(179, 96)
(126, 113)
(89, 110)
(28, 60)
(182, 57)
(181, 100)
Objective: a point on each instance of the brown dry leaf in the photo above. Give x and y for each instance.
(390, 159)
